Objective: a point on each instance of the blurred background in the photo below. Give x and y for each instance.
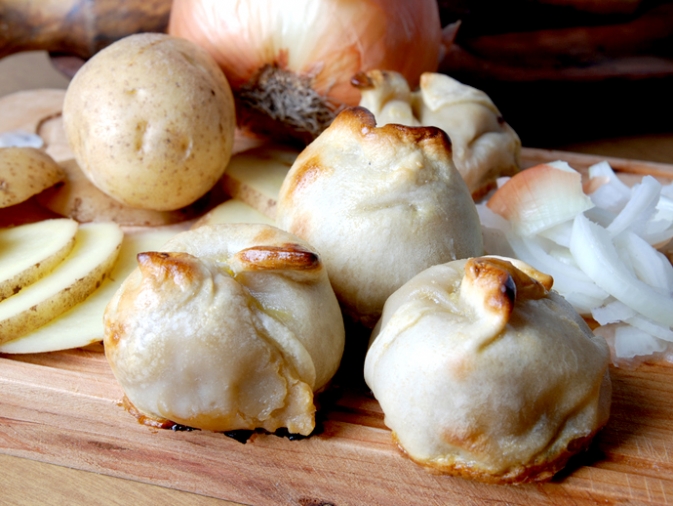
(562, 72)
(565, 71)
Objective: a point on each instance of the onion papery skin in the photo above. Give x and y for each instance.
(326, 42)
(540, 197)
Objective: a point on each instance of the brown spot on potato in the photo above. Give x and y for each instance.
(139, 137)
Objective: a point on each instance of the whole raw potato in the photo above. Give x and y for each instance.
(151, 121)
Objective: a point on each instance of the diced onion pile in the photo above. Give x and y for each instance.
(600, 248)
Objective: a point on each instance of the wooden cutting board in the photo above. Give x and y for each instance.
(65, 408)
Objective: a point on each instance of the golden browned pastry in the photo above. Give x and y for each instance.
(485, 372)
(484, 145)
(380, 205)
(230, 326)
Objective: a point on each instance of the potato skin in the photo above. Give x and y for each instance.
(151, 121)
(25, 172)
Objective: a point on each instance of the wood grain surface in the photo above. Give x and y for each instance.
(65, 408)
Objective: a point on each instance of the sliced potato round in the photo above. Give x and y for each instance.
(255, 176)
(30, 251)
(90, 261)
(83, 324)
(79, 199)
(25, 172)
(233, 211)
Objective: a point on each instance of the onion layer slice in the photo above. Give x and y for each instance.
(596, 255)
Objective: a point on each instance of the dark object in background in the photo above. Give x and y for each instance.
(74, 30)
(564, 71)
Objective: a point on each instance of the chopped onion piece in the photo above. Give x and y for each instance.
(625, 258)
(603, 168)
(603, 258)
(612, 312)
(601, 216)
(568, 279)
(597, 256)
(667, 190)
(657, 233)
(640, 207)
(561, 254)
(613, 194)
(631, 342)
(560, 233)
(20, 139)
(534, 249)
(649, 265)
(540, 197)
(652, 328)
(581, 302)
(659, 230)
(664, 207)
(501, 181)
(491, 219)
(561, 165)
(494, 229)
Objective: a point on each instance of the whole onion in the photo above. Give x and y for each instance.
(290, 63)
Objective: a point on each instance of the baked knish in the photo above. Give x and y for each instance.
(230, 326)
(485, 372)
(484, 145)
(380, 204)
